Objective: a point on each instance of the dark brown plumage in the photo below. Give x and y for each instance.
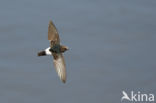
(42, 53)
(53, 35)
(56, 50)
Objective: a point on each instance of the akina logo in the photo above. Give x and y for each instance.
(137, 97)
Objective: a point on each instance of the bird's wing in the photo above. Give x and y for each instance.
(53, 35)
(60, 67)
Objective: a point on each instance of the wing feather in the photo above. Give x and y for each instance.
(60, 67)
(53, 35)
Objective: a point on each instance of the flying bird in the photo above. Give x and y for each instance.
(56, 50)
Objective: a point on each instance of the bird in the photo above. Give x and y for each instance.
(56, 50)
(125, 96)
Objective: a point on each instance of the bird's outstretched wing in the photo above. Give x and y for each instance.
(53, 35)
(60, 66)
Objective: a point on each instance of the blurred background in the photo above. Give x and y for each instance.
(112, 48)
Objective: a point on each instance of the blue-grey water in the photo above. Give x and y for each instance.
(112, 48)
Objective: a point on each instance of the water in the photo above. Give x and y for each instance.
(112, 48)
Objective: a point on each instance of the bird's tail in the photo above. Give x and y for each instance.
(42, 53)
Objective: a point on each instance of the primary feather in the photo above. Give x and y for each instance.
(59, 64)
(53, 35)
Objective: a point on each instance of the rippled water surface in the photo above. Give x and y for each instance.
(112, 48)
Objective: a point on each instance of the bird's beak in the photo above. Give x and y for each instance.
(67, 48)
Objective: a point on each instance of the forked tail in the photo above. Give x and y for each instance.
(42, 53)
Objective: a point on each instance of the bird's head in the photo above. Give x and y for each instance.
(64, 48)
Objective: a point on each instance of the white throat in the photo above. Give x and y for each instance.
(47, 51)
